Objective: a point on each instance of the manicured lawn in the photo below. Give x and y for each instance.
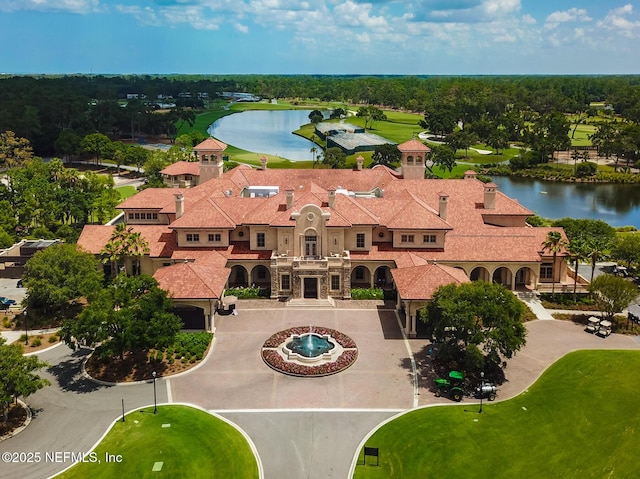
(196, 445)
(126, 191)
(579, 420)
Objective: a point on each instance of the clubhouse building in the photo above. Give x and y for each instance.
(310, 236)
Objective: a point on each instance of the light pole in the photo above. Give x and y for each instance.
(481, 389)
(155, 404)
(26, 332)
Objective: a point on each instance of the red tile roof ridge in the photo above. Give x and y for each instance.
(181, 168)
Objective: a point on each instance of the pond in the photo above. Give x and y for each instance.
(270, 131)
(618, 205)
(266, 131)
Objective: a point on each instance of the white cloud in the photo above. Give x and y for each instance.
(571, 15)
(241, 28)
(616, 21)
(358, 15)
(69, 6)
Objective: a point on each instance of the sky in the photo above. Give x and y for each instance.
(403, 37)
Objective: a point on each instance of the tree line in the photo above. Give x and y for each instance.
(41, 108)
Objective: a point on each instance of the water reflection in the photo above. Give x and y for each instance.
(266, 131)
(618, 205)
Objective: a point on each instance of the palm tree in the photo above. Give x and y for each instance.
(124, 242)
(595, 253)
(313, 151)
(554, 243)
(577, 252)
(136, 247)
(112, 254)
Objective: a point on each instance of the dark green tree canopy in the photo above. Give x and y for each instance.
(131, 314)
(18, 374)
(612, 293)
(477, 316)
(386, 155)
(334, 158)
(60, 274)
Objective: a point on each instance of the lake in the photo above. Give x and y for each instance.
(266, 131)
(269, 131)
(618, 205)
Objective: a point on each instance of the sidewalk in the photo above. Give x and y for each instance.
(536, 307)
(12, 336)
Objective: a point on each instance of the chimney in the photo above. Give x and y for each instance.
(179, 204)
(332, 197)
(263, 160)
(470, 175)
(360, 161)
(490, 196)
(289, 198)
(443, 206)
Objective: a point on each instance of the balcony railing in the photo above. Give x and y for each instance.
(311, 262)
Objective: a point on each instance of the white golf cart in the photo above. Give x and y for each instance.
(605, 328)
(593, 325)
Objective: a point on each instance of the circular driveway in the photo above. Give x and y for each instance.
(235, 376)
(302, 427)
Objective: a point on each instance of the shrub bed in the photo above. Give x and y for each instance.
(367, 293)
(249, 292)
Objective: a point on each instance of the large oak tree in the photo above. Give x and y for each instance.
(478, 325)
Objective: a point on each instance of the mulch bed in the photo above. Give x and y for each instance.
(44, 342)
(134, 367)
(17, 417)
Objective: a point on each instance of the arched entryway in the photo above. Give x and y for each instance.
(238, 277)
(382, 277)
(525, 278)
(502, 276)
(261, 276)
(480, 274)
(360, 277)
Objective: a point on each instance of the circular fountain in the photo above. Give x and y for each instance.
(310, 347)
(309, 351)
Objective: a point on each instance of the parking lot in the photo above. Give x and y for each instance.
(9, 289)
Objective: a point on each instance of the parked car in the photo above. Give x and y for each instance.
(7, 300)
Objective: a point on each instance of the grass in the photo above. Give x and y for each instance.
(126, 191)
(579, 420)
(197, 445)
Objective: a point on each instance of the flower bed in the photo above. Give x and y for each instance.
(274, 359)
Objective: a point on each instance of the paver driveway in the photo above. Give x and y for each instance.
(236, 377)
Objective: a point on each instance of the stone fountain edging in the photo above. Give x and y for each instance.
(272, 353)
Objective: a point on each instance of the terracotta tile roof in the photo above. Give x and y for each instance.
(413, 145)
(421, 282)
(94, 237)
(204, 214)
(210, 144)
(152, 199)
(193, 281)
(182, 168)
(364, 180)
(160, 238)
(211, 256)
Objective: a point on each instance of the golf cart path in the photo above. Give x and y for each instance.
(548, 341)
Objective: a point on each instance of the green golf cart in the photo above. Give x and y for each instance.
(451, 386)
